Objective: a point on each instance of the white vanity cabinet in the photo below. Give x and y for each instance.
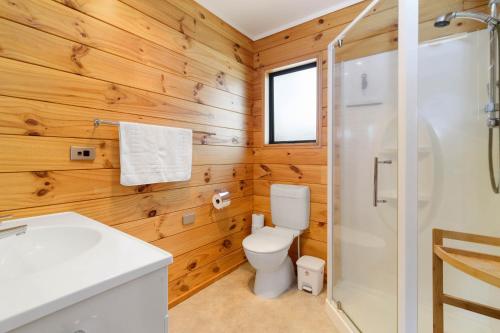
(134, 307)
(71, 274)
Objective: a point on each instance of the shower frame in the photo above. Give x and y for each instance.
(407, 189)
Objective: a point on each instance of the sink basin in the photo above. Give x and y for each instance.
(63, 259)
(43, 247)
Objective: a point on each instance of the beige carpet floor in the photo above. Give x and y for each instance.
(229, 306)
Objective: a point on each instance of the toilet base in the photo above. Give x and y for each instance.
(274, 283)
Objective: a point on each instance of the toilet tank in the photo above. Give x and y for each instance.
(290, 206)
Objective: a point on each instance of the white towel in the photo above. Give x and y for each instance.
(154, 154)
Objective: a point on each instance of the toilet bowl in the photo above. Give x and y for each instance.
(267, 248)
(267, 252)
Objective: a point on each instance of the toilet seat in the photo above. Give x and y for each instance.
(268, 240)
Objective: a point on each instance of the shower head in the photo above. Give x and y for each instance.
(445, 20)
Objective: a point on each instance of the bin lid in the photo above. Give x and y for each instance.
(311, 263)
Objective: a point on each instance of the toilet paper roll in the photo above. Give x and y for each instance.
(257, 222)
(221, 200)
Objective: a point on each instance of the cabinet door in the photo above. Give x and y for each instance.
(137, 306)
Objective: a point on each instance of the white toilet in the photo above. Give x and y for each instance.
(267, 248)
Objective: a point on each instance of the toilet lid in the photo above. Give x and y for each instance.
(268, 240)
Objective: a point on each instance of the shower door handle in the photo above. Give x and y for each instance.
(376, 200)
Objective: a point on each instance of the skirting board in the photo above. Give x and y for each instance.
(340, 321)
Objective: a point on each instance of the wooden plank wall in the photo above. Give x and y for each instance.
(169, 62)
(299, 165)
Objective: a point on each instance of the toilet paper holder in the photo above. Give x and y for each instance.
(221, 199)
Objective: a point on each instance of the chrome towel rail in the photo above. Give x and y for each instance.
(98, 122)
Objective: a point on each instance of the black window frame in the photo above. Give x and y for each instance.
(271, 77)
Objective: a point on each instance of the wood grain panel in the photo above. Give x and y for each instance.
(258, 123)
(372, 27)
(180, 289)
(117, 210)
(62, 21)
(295, 49)
(192, 239)
(290, 155)
(39, 188)
(156, 227)
(258, 140)
(472, 4)
(428, 32)
(313, 248)
(136, 22)
(171, 224)
(31, 153)
(92, 92)
(312, 27)
(40, 83)
(208, 253)
(388, 41)
(35, 118)
(203, 15)
(175, 18)
(23, 43)
(317, 231)
(310, 174)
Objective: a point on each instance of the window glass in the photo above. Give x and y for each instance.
(293, 104)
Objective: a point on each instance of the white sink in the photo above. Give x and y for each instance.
(63, 259)
(42, 248)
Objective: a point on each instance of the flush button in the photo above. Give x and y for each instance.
(82, 153)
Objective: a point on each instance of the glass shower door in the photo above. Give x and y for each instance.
(365, 173)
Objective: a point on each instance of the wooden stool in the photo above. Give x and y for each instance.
(484, 267)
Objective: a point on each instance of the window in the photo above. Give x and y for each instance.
(293, 104)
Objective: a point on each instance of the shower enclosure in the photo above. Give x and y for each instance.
(415, 147)
(364, 117)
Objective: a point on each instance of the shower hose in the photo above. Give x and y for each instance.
(495, 186)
